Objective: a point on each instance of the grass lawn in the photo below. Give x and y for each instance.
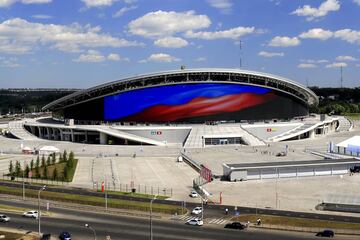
(353, 116)
(12, 236)
(296, 222)
(94, 201)
(140, 195)
(12, 208)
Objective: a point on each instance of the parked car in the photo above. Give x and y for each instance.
(196, 210)
(195, 222)
(4, 218)
(194, 194)
(326, 233)
(235, 225)
(64, 236)
(31, 214)
(46, 236)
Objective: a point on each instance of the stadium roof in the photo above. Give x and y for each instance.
(189, 76)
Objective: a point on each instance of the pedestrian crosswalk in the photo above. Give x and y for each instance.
(219, 221)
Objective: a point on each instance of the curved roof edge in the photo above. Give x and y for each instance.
(309, 94)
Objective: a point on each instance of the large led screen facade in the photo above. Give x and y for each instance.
(200, 102)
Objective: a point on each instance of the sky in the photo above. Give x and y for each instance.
(83, 43)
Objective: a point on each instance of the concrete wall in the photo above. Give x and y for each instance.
(161, 134)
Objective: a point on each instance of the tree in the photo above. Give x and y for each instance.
(45, 172)
(27, 170)
(48, 161)
(65, 156)
(55, 174)
(60, 158)
(17, 169)
(71, 155)
(32, 164)
(37, 172)
(53, 158)
(66, 173)
(37, 164)
(11, 168)
(43, 161)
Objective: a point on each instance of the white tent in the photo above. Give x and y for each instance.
(47, 150)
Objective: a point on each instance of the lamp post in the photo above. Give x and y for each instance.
(151, 202)
(23, 185)
(92, 229)
(39, 213)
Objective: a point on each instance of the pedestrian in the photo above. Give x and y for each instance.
(226, 211)
(258, 222)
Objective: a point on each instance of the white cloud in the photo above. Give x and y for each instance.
(9, 62)
(41, 16)
(307, 65)
(317, 33)
(336, 65)
(312, 12)
(35, 1)
(345, 58)
(200, 59)
(7, 3)
(91, 56)
(279, 41)
(123, 10)
(233, 33)
(98, 3)
(116, 57)
(96, 56)
(161, 23)
(270, 54)
(130, 1)
(160, 57)
(223, 5)
(357, 2)
(20, 36)
(314, 61)
(349, 35)
(171, 42)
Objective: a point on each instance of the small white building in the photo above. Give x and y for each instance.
(47, 150)
(350, 147)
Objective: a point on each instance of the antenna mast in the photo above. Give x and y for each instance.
(341, 77)
(240, 60)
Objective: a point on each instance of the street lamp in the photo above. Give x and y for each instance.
(39, 213)
(92, 229)
(151, 202)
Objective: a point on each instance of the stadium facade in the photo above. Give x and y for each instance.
(188, 96)
(187, 107)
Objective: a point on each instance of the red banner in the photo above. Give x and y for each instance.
(102, 187)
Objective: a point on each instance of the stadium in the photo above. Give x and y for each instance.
(186, 107)
(188, 96)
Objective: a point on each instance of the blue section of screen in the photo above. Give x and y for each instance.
(128, 103)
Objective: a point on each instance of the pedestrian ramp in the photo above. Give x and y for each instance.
(185, 218)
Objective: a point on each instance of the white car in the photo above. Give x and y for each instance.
(195, 222)
(194, 194)
(197, 210)
(4, 218)
(31, 214)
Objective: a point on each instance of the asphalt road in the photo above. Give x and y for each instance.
(216, 210)
(124, 227)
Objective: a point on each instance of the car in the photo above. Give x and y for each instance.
(235, 225)
(46, 236)
(326, 233)
(64, 236)
(195, 222)
(194, 194)
(31, 214)
(196, 210)
(4, 218)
